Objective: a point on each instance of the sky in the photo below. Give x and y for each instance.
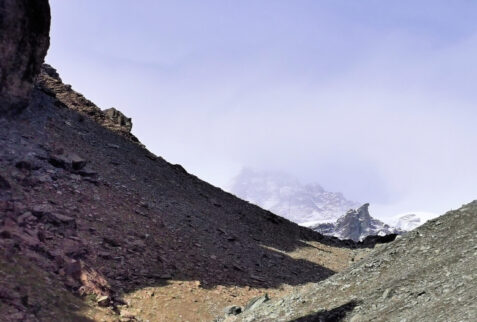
(375, 99)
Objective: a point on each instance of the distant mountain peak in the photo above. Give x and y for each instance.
(286, 196)
(357, 224)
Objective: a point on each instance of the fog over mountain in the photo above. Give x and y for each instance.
(311, 204)
(305, 204)
(372, 99)
(409, 221)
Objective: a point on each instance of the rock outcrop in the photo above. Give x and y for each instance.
(357, 224)
(24, 41)
(49, 81)
(116, 120)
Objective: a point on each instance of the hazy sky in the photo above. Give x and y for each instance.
(376, 99)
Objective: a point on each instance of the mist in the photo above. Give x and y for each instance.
(375, 100)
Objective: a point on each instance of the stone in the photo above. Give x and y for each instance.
(111, 242)
(104, 255)
(126, 314)
(386, 293)
(233, 310)
(88, 173)
(257, 278)
(73, 269)
(165, 276)
(25, 218)
(256, 302)
(4, 184)
(74, 249)
(61, 219)
(24, 165)
(356, 318)
(68, 161)
(112, 146)
(41, 209)
(45, 214)
(5, 189)
(24, 41)
(104, 301)
(115, 118)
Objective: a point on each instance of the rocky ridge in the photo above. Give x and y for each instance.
(356, 225)
(49, 82)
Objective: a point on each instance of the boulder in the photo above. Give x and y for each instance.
(104, 301)
(256, 302)
(67, 160)
(233, 310)
(24, 41)
(5, 189)
(117, 120)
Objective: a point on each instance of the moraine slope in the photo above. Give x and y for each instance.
(427, 275)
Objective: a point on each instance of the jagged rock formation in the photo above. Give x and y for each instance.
(49, 81)
(24, 41)
(117, 120)
(356, 225)
(287, 197)
(427, 275)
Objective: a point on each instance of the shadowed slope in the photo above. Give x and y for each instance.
(107, 217)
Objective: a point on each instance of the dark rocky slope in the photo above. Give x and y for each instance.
(105, 216)
(427, 275)
(100, 215)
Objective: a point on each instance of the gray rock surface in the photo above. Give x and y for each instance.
(429, 274)
(256, 302)
(24, 41)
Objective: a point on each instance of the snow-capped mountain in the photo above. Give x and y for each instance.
(356, 225)
(410, 221)
(286, 196)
